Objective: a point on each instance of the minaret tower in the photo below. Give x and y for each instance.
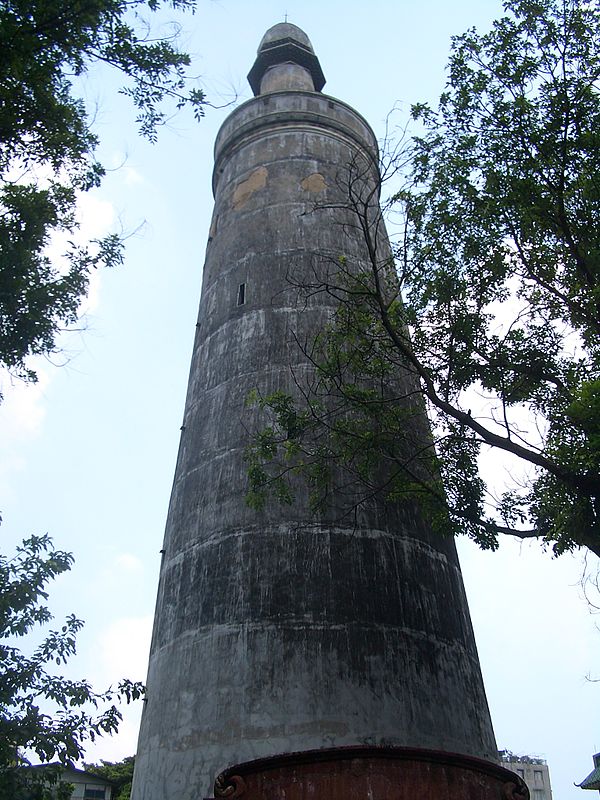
(277, 632)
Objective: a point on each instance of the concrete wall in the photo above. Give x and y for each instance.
(535, 773)
(276, 631)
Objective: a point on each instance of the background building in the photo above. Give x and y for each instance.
(592, 781)
(86, 785)
(534, 772)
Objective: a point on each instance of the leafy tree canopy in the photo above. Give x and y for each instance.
(42, 712)
(47, 148)
(498, 262)
(120, 772)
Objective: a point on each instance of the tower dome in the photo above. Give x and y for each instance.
(286, 61)
(284, 30)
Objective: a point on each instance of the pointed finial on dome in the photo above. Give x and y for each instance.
(286, 61)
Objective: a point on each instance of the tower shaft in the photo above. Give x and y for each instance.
(278, 631)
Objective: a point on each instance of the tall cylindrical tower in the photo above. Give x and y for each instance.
(276, 631)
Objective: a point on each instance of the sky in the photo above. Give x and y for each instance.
(88, 453)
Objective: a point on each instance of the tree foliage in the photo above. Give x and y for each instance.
(42, 712)
(47, 148)
(498, 262)
(120, 772)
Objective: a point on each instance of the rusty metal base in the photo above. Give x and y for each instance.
(370, 773)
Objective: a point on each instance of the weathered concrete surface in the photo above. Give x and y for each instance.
(274, 631)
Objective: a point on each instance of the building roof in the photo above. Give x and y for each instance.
(90, 776)
(512, 758)
(283, 43)
(592, 781)
(285, 30)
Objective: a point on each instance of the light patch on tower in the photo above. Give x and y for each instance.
(314, 183)
(244, 191)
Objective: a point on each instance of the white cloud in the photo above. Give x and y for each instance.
(92, 300)
(129, 563)
(123, 648)
(21, 411)
(122, 651)
(123, 744)
(95, 216)
(122, 170)
(131, 176)
(9, 466)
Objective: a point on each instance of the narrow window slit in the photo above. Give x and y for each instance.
(241, 295)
